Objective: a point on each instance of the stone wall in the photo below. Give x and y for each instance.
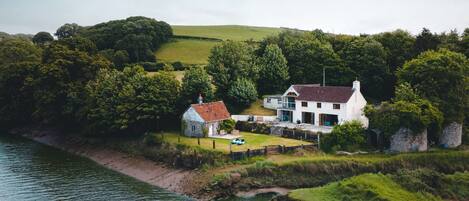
(404, 141)
(452, 135)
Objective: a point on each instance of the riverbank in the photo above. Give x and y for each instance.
(176, 180)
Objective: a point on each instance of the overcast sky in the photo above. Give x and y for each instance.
(337, 16)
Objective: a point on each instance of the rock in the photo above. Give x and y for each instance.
(343, 153)
(235, 177)
(404, 140)
(452, 135)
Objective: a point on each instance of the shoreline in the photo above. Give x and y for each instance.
(171, 179)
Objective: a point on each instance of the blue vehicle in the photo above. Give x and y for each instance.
(238, 141)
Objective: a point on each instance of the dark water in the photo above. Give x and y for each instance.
(31, 171)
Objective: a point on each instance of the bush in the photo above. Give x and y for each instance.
(253, 127)
(228, 125)
(178, 65)
(152, 66)
(349, 136)
(152, 140)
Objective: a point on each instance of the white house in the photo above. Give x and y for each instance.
(204, 116)
(326, 106)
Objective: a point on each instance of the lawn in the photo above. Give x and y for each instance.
(256, 108)
(253, 141)
(227, 32)
(188, 51)
(362, 187)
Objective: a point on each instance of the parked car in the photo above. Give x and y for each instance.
(238, 141)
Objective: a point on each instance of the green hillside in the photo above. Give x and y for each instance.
(188, 51)
(195, 51)
(226, 32)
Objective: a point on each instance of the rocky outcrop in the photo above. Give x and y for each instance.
(404, 140)
(452, 135)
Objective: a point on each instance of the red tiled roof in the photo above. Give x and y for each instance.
(214, 111)
(323, 94)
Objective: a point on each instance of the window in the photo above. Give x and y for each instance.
(268, 100)
(304, 104)
(193, 128)
(318, 105)
(336, 106)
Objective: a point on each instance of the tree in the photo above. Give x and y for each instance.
(42, 38)
(242, 92)
(59, 90)
(450, 41)
(130, 101)
(443, 78)
(230, 61)
(307, 54)
(196, 81)
(348, 136)
(67, 30)
(273, 75)
(464, 43)
(367, 58)
(426, 41)
(18, 50)
(398, 46)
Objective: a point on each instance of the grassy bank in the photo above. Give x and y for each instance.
(256, 108)
(314, 170)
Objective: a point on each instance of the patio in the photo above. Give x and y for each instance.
(307, 127)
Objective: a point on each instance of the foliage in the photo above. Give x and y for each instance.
(405, 92)
(242, 92)
(138, 36)
(398, 46)
(18, 50)
(348, 136)
(42, 38)
(442, 77)
(68, 30)
(196, 81)
(416, 116)
(130, 101)
(307, 56)
(367, 58)
(230, 61)
(273, 75)
(227, 125)
(425, 41)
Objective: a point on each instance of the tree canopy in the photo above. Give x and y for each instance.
(273, 75)
(196, 81)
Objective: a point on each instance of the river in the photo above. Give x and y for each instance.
(32, 171)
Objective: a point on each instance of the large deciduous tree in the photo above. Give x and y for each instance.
(229, 61)
(273, 75)
(196, 81)
(242, 92)
(130, 101)
(443, 78)
(426, 40)
(67, 30)
(42, 38)
(367, 58)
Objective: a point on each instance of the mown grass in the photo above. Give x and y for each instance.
(362, 187)
(226, 32)
(188, 51)
(178, 74)
(253, 141)
(256, 108)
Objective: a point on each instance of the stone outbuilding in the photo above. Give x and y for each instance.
(204, 117)
(451, 136)
(404, 140)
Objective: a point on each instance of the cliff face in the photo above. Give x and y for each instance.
(452, 135)
(404, 140)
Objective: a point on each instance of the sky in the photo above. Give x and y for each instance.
(335, 16)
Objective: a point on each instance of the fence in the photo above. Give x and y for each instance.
(272, 149)
(254, 118)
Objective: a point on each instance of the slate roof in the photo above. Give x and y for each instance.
(316, 93)
(214, 111)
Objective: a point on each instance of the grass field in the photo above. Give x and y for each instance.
(362, 187)
(227, 32)
(179, 74)
(257, 109)
(188, 51)
(253, 141)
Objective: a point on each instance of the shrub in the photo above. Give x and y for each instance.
(227, 125)
(348, 136)
(178, 65)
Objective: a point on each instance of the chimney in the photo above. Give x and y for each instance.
(200, 99)
(356, 85)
